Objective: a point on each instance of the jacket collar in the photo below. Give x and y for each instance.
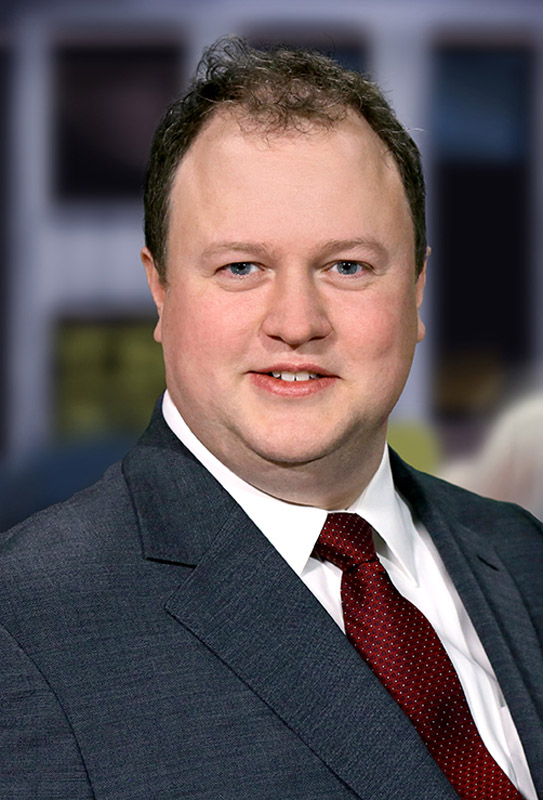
(269, 621)
(462, 532)
(244, 603)
(171, 494)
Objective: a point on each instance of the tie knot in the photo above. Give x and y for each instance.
(345, 540)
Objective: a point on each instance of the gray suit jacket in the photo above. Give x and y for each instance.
(154, 646)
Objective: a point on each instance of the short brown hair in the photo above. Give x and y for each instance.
(280, 89)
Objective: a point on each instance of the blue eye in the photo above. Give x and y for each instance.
(349, 267)
(241, 268)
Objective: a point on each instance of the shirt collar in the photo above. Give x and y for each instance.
(294, 529)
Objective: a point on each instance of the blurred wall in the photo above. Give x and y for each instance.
(82, 86)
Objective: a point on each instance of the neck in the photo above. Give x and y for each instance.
(332, 482)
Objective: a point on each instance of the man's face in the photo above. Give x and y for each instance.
(290, 314)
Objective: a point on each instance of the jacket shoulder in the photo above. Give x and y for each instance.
(71, 530)
(424, 492)
(512, 533)
(498, 519)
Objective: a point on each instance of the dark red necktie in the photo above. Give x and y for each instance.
(404, 651)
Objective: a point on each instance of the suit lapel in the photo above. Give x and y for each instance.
(245, 604)
(495, 606)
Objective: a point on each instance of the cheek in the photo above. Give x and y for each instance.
(382, 346)
(200, 332)
(387, 330)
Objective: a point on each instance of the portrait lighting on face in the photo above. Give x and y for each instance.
(291, 249)
(288, 256)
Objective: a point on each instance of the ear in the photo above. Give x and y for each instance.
(419, 296)
(157, 287)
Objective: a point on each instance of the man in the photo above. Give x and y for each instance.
(177, 630)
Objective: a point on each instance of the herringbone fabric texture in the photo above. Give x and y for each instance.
(404, 651)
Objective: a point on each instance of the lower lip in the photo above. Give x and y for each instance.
(282, 388)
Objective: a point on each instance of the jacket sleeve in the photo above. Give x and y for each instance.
(39, 755)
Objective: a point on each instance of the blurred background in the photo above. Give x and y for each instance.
(82, 87)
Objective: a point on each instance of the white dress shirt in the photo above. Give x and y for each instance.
(409, 556)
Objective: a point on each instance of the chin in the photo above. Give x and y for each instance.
(295, 449)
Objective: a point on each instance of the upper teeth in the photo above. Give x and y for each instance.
(295, 376)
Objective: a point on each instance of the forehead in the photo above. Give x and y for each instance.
(238, 174)
(230, 129)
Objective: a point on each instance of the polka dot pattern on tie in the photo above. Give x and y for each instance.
(404, 651)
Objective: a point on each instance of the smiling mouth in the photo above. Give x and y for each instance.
(293, 383)
(295, 376)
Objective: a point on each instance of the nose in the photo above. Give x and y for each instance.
(296, 312)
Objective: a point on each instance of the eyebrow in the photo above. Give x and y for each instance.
(241, 247)
(326, 249)
(368, 243)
